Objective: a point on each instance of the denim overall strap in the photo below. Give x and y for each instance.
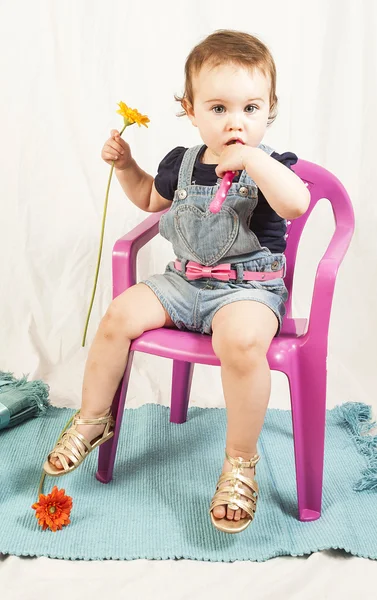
(244, 177)
(187, 166)
(267, 149)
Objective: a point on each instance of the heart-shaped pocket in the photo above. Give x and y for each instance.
(208, 236)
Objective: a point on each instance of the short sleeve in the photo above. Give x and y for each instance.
(166, 180)
(287, 158)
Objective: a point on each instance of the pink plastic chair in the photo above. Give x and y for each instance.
(300, 351)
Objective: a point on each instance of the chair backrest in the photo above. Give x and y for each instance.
(321, 184)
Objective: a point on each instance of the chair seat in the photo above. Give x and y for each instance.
(197, 348)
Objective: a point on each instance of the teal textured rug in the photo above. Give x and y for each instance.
(156, 506)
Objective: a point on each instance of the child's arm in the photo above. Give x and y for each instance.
(282, 188)
(139, 188)
(136, 183)
(157, 202)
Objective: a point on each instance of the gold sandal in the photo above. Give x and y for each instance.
(73, 446)
(234, 496)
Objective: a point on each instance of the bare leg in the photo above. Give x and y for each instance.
(242, 333)
(136, 310)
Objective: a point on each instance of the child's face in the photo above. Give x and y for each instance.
(229, 102)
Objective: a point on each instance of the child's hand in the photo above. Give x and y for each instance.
(117, 150)
(233, 158)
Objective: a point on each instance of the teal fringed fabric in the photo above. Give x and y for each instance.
(358, 418)
(21, 399)
(156, 506)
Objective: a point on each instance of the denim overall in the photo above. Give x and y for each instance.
(211, 239)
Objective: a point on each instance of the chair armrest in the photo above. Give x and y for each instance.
(324, 283)
(326, 185)
(125, 252)
(339, 243)
(323, 293)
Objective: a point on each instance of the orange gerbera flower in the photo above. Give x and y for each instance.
(53, 509)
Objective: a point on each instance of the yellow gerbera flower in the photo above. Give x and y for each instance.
(131, 115)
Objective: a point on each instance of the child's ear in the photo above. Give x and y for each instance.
(188, 108)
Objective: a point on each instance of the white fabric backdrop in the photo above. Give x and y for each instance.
(64, 68)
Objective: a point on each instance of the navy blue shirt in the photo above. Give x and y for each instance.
(267, 225)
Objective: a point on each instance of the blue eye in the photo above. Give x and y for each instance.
(218, 112)
(253, 107)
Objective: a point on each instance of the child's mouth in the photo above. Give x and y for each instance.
(234, 142)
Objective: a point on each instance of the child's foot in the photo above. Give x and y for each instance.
(90, 432)
(221, 511)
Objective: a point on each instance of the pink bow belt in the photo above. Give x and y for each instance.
(223, 272)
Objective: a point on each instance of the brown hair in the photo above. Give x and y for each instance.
(228, 46)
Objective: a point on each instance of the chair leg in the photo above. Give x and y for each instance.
(308, 400)
(180, 392)
(107, 451)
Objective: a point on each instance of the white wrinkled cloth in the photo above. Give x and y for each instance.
(64, 67)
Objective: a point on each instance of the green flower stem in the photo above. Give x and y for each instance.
(126, 123)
